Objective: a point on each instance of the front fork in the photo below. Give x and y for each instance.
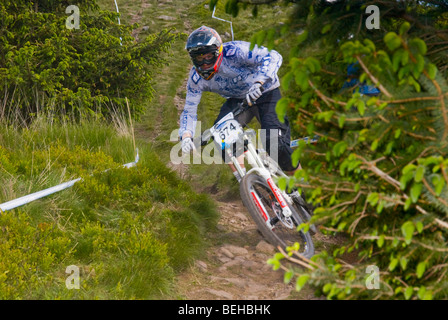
(259, 168)
(286, 211)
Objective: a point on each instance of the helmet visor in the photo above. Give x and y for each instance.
(204, 57)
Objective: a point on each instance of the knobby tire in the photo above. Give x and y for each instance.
(280, 235)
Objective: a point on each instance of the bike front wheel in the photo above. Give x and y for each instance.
(264, 208)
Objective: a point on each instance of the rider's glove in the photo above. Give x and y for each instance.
(187, 145)
(254, 93)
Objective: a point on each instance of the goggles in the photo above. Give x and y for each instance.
(200, 59)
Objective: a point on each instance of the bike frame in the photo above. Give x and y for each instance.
(253, 158)
(228, 134)
(255, 161)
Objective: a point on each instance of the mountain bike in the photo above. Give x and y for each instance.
(277, 213)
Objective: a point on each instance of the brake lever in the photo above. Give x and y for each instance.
(251, 103)
(204, 138)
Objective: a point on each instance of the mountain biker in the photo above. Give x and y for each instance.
(235, 72)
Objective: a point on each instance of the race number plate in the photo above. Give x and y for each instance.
(227, 133)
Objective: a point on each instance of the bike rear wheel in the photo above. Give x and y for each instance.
(262, 205)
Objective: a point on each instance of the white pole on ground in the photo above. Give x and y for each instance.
(40, 194)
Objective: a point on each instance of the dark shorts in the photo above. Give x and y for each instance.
(275, 136)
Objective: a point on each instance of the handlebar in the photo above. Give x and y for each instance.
(206, 136)
(241, 107)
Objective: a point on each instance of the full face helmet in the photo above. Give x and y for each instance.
(205, 48)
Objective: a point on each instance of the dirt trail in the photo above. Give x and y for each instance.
(236, 267)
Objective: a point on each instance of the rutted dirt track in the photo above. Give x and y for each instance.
(236, 268)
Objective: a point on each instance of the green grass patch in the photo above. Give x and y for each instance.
(128, 230)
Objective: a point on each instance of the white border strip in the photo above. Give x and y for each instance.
(40, 194)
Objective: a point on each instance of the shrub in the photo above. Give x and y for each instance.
(46, 67)
(379, 171)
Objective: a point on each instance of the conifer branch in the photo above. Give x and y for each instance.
(442, 105)
(374, 80)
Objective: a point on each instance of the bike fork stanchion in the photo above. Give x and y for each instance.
(262, 209)
(237, 166)
(253, 151)
(264, 173)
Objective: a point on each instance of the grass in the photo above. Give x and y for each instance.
(130, 230)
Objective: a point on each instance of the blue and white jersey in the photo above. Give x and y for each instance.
(240, 69)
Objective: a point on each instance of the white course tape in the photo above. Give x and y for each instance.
(295, 143)
(118, 18)
(40, 194)
(231, 26)
(116, 6)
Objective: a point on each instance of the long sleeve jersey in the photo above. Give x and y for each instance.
(240, 69)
